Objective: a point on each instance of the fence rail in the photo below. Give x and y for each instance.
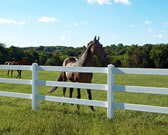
(136, 89)
(73, 101)
(14, 94)
(144, 71)
(110, 87)
(73, 85)
(73, 69)
(144, 108)
(14, 67)
(16, 81)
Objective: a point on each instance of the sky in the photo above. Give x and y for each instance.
(25, 23)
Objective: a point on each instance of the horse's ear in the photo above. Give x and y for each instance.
(98, 38)
(95, 38)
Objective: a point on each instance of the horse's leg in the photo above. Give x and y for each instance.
(78, 96)
(64, 91)
(8, 73)
(63, 79)
(18, 73)
(70, 93)
(11, 73)
(90, 98)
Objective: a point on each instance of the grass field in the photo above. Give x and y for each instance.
(17, 118)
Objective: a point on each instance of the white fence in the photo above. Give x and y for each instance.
(110, 87)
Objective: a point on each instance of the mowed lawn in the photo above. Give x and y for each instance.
(17, 118)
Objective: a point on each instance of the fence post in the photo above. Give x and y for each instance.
(34, 86)
(110, 92)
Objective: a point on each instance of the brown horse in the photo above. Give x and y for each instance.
(24, 61)
(94, 48)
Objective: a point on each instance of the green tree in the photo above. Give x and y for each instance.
(32, 55)
(54, 61)
(42, 57)
(15, 53)
(159, 55)
(3, 53)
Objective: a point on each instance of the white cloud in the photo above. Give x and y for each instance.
(147, 22)
(9, 21)
(125, 2)
(160, 36)
(47, 19)
(100, 2)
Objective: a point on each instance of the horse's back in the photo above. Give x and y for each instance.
(76, 76)
(70, 61)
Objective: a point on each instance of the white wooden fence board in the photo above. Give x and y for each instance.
(36, 82)
(73, 101)
(14, 94)
(73, 85)
(137, 89)
(73, 69)
(15, 81)
(14, 67)
(110, 92)
(144, 108)
(147, 71)
(35, 86)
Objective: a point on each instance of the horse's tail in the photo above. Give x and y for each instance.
(61, 77)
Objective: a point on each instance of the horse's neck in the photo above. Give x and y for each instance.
(86, 58)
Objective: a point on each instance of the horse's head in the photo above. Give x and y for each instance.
(97, 48)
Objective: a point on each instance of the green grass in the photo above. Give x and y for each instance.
(17, 118)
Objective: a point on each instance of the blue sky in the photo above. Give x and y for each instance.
(75, 22)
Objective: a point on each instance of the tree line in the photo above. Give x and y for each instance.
(146, 56)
